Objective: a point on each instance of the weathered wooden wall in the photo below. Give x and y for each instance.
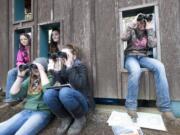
(170, 43)
(4, 44)
(92, 25)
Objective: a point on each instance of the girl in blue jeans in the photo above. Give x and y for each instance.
(36, 114)
(69, 103)
(140, 37)
(23, 57)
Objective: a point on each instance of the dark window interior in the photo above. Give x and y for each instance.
(134, 12)
(22, 10)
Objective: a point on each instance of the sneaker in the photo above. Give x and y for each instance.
(77, 126)
(4, 105)
(12, 102)
(64, 125)
(133, 115)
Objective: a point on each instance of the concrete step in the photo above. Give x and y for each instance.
(96, 121)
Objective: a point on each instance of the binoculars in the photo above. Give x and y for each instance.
(57, 55)
(143, 17)
(27, 66)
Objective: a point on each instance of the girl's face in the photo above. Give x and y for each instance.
(24, 40)
(141, 25)
(55, 36)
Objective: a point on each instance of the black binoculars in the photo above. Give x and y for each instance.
(143, 17)
(57, 55)
(27, 66)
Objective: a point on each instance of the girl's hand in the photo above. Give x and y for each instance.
(39, 66)
(134, 22)
(22, 73)
(51, 64)
(59, 64)
(149, 25)
(135, 18)
(69, 62)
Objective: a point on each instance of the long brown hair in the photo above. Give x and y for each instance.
(35, 84)
(74, 49)
(53, 46)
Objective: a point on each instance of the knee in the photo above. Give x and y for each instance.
(65, 93)
(135, 72)
(12, 72)
(159, 68)
(4, 129)
(49, 95)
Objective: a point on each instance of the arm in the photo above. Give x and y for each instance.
(16, 87)
(77, 76)
(127, 35)
(43, 75)
(57, 71)
(55, 65)
(22, 57)
(152, 41)
(19, 58)
(61, 76)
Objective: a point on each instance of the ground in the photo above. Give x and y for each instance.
(96, 122)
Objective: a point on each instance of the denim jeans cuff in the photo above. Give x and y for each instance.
(165, 109)
(131, 108)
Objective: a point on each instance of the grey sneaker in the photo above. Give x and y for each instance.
(133, 115)
(77, 126)
(64, 125)
(4, 105)
(12, 102)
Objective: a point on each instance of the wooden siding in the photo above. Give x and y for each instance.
(93, 25)
(4, 44)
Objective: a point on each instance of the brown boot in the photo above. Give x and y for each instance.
(169, 116)
(64, 125)
(133, 115)
(170, 119)
(77, 126)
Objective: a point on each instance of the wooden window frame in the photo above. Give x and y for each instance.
(120, 46)
(21, 21)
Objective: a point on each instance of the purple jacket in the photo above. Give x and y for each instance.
(22, 56)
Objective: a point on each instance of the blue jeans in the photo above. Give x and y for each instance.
(66, 102)
(133, 64)
(26, 122)
(11, 77)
